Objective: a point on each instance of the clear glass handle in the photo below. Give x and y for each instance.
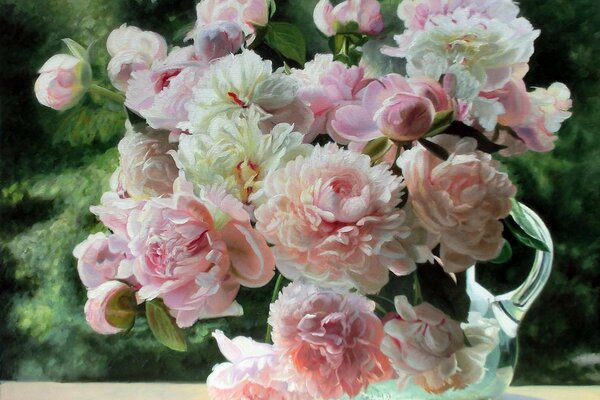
(510, 308)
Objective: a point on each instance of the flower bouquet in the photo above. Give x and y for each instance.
(369, 191)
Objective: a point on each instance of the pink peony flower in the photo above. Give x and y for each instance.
(131, 50)
(390, 107)
(146, 169)
(332, 218)
(460, 200)
(101, 258)
(114, 212)
(550, 108)
(195, 266)
(252, 372)
(246, 13)
(110, 308)
(326, 85)
(218, 39)
(328, 341)
(63, 81)
(162, 93)
(515, 101)
(365, 13)
(420, 341)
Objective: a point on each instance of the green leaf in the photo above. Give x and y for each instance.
(505, 254)
(163, 326)
(76, 49)
(441, 122)
(377, 148)
(287, 40)
(440, 290)
(272, 8)
(523, 228)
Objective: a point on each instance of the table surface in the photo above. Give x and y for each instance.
(166, 391)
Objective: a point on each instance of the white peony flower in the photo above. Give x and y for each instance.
(240, 84)
(236, 155)
(476, 52)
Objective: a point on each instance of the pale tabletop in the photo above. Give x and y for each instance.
(167, 391)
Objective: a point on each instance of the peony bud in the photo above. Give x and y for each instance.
(405, 116)
(110, 308)
(218, 40)
(432, 90)
(99, 258)
(364, 13)
(63, 81)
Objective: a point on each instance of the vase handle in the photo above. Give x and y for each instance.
(510, 308)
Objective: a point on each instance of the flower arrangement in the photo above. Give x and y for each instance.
(234, 173)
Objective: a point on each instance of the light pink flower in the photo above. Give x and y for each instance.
(515, 101)
(193, 265)
(252, 372)
(421, 341)
(162, 93)
(246, 13)
(63, 81)
(328, 341)
(146, 169)
(110, 308)
(550, 108)
(99, 259)
(131, 50)
(331, 217)
(365, 13)
(389, 106)
(461, 200)
(218, 39)
(114, 212)
(326, 85)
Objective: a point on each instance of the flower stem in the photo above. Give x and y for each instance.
(109, 94)
(417, 288)
(276, 289)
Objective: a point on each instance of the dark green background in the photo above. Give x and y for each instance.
(53, 166)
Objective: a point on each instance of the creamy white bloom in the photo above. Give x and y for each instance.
(236, 155)
(478, 53)
(237, 85)
(467, 366)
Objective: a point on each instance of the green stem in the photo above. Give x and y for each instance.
(417, 288)
(109, 94)
(276, 289)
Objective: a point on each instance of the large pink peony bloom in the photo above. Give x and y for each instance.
(161, 94)
(101, 258)
(146, 169)
(461, 199)
(195, 266)
(365, 13)
(326, 85)
(110, 308)
(131, 50)
(391, 106)
(420, 341)
(328, 341)
(252, 372)
(332, 219)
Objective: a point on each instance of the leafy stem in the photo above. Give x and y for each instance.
(106, 93)
(417, 289)
(276, 290)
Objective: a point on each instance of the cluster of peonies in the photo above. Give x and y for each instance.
(224, 183)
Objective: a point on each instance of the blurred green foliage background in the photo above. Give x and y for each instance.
(54, 166)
